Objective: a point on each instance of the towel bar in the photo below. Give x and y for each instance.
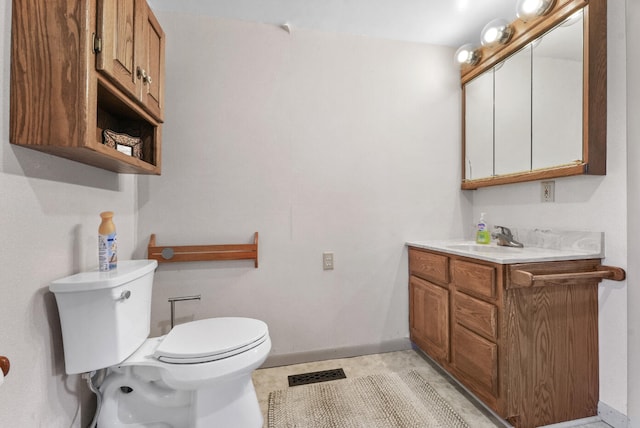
(522, 278)
(199, 253)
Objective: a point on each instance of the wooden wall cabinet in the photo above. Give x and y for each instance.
(74, 73)
(131, 50)
(528, 352)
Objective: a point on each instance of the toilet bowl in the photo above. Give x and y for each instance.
(196, 376)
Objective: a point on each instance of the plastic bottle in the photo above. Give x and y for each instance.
(482, 232)
(107, 246)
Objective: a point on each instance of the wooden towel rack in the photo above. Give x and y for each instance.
(522, 278)
(4, 365)
(200, 253)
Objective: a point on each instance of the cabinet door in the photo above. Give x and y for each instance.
(152, 63)
(429, 317)
(117, 22)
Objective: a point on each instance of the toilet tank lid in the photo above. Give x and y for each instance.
(127, 271)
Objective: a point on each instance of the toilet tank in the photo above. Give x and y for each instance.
(104, 316)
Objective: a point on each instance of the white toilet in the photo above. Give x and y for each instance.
(198, 375)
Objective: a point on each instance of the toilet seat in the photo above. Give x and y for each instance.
(210, 340)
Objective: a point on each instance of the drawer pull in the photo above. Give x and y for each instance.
(522, 278)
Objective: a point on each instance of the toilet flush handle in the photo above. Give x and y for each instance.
(124, 296)
(173, 300)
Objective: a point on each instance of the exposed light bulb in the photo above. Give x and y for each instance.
(496, 31)
(467, 54)
(529, 9)
(490, 36)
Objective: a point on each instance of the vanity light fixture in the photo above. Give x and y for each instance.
(468, 54)
(499, 31)
(529, 9)
(496, 32)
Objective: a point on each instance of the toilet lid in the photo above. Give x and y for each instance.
(210, 339)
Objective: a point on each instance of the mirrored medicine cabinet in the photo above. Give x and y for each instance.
(535, 107)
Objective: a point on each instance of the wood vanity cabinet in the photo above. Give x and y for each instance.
(80, 67)
(529, 352)
(429, 297)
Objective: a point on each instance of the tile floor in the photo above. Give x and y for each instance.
(271, 379)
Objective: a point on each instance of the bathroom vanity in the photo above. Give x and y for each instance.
(517, 326)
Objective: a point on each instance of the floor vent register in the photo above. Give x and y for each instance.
(315, 377)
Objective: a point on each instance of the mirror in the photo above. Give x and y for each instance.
(479, 126)
(557, 104)
(512, 118)
(535, 108)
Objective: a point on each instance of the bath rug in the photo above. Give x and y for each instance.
(378, 401)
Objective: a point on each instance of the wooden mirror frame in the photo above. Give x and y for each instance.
(594, 101)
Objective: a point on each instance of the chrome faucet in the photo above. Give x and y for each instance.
(505, 237)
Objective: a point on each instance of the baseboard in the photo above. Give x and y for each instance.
(401, 344)
(574, 423)
(606, 414)
(611, 416)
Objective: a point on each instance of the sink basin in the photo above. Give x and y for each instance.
(573, 246)
(491, 249)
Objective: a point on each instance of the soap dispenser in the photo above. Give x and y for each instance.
(482, 232)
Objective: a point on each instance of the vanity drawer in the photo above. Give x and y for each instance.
(434, 267)
(475, 278)
(478, 316)
(476, 359)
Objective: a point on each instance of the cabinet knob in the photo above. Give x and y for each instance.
(147, 79)
(4, 365)
(141, 73)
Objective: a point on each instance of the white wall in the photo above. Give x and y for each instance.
(320, 142)
(48, 219)
(633, 199)
(588, 203)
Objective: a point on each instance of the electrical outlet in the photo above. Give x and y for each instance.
(327, 261)
(548, 191)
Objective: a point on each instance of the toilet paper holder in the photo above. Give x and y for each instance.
(4, 365)
(173, 300)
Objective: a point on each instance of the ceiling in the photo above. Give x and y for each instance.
(441, 22)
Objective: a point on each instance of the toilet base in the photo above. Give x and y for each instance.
(230, 404)
(133, 399)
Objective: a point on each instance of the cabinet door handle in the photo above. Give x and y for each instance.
(147, 79)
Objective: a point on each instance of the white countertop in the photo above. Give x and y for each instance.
(588, 245)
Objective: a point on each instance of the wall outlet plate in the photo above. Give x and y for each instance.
(548, 191)
(327, 261)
